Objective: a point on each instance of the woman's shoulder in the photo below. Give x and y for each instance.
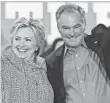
(41, 62)
(5, 53)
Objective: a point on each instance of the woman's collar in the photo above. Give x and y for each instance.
(11, 56)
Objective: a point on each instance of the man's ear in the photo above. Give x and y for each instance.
(58, 27)
(84, 24)
(85, 35)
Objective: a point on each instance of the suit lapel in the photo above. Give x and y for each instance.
(59, 63)
(59, 58)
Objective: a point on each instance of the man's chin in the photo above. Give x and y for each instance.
(73, 46)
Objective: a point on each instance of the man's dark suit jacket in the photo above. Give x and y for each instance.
(106, 52)
(99, 41)
(55, 74)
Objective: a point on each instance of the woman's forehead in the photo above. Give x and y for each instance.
(25, 32)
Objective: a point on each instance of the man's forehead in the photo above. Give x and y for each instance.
(70, 18)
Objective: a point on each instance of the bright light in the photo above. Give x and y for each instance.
(23, 9)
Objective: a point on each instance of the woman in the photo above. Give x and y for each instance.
(24, 78)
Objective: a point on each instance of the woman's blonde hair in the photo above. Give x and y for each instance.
(35, 25)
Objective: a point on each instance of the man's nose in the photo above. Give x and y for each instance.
(72, 32)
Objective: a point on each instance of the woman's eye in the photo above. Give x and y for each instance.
(65, 28)
(17, 39)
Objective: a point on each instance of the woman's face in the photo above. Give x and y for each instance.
(24, 43)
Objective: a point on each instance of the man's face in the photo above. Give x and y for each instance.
(71, 27)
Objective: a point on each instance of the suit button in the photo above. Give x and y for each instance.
(84, 94)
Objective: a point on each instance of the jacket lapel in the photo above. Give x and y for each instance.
(59, 63)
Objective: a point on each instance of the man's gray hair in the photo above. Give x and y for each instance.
(35, 25)
(69, 8)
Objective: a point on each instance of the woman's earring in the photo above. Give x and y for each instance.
(36, 49)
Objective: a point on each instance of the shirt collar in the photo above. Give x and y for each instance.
(66, 48)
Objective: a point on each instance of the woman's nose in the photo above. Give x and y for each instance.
(21, 43)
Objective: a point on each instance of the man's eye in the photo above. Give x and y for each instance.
(65, 28)
(77, 26)
(28, 39)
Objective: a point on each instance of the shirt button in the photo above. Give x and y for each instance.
(81, 81)
(76, 55)
(83, 94)
(78, 68)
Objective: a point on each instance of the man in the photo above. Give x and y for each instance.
(74, 71)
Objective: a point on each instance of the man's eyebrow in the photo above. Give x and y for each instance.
(65, 26)
(77, 24)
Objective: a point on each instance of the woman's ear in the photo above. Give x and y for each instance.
(36, 49)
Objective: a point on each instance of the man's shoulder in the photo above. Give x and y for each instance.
(53, 56)
(96, 57)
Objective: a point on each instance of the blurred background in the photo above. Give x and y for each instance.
(96, 12)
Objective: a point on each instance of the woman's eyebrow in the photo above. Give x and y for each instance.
(17, 37)
(28, 37)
